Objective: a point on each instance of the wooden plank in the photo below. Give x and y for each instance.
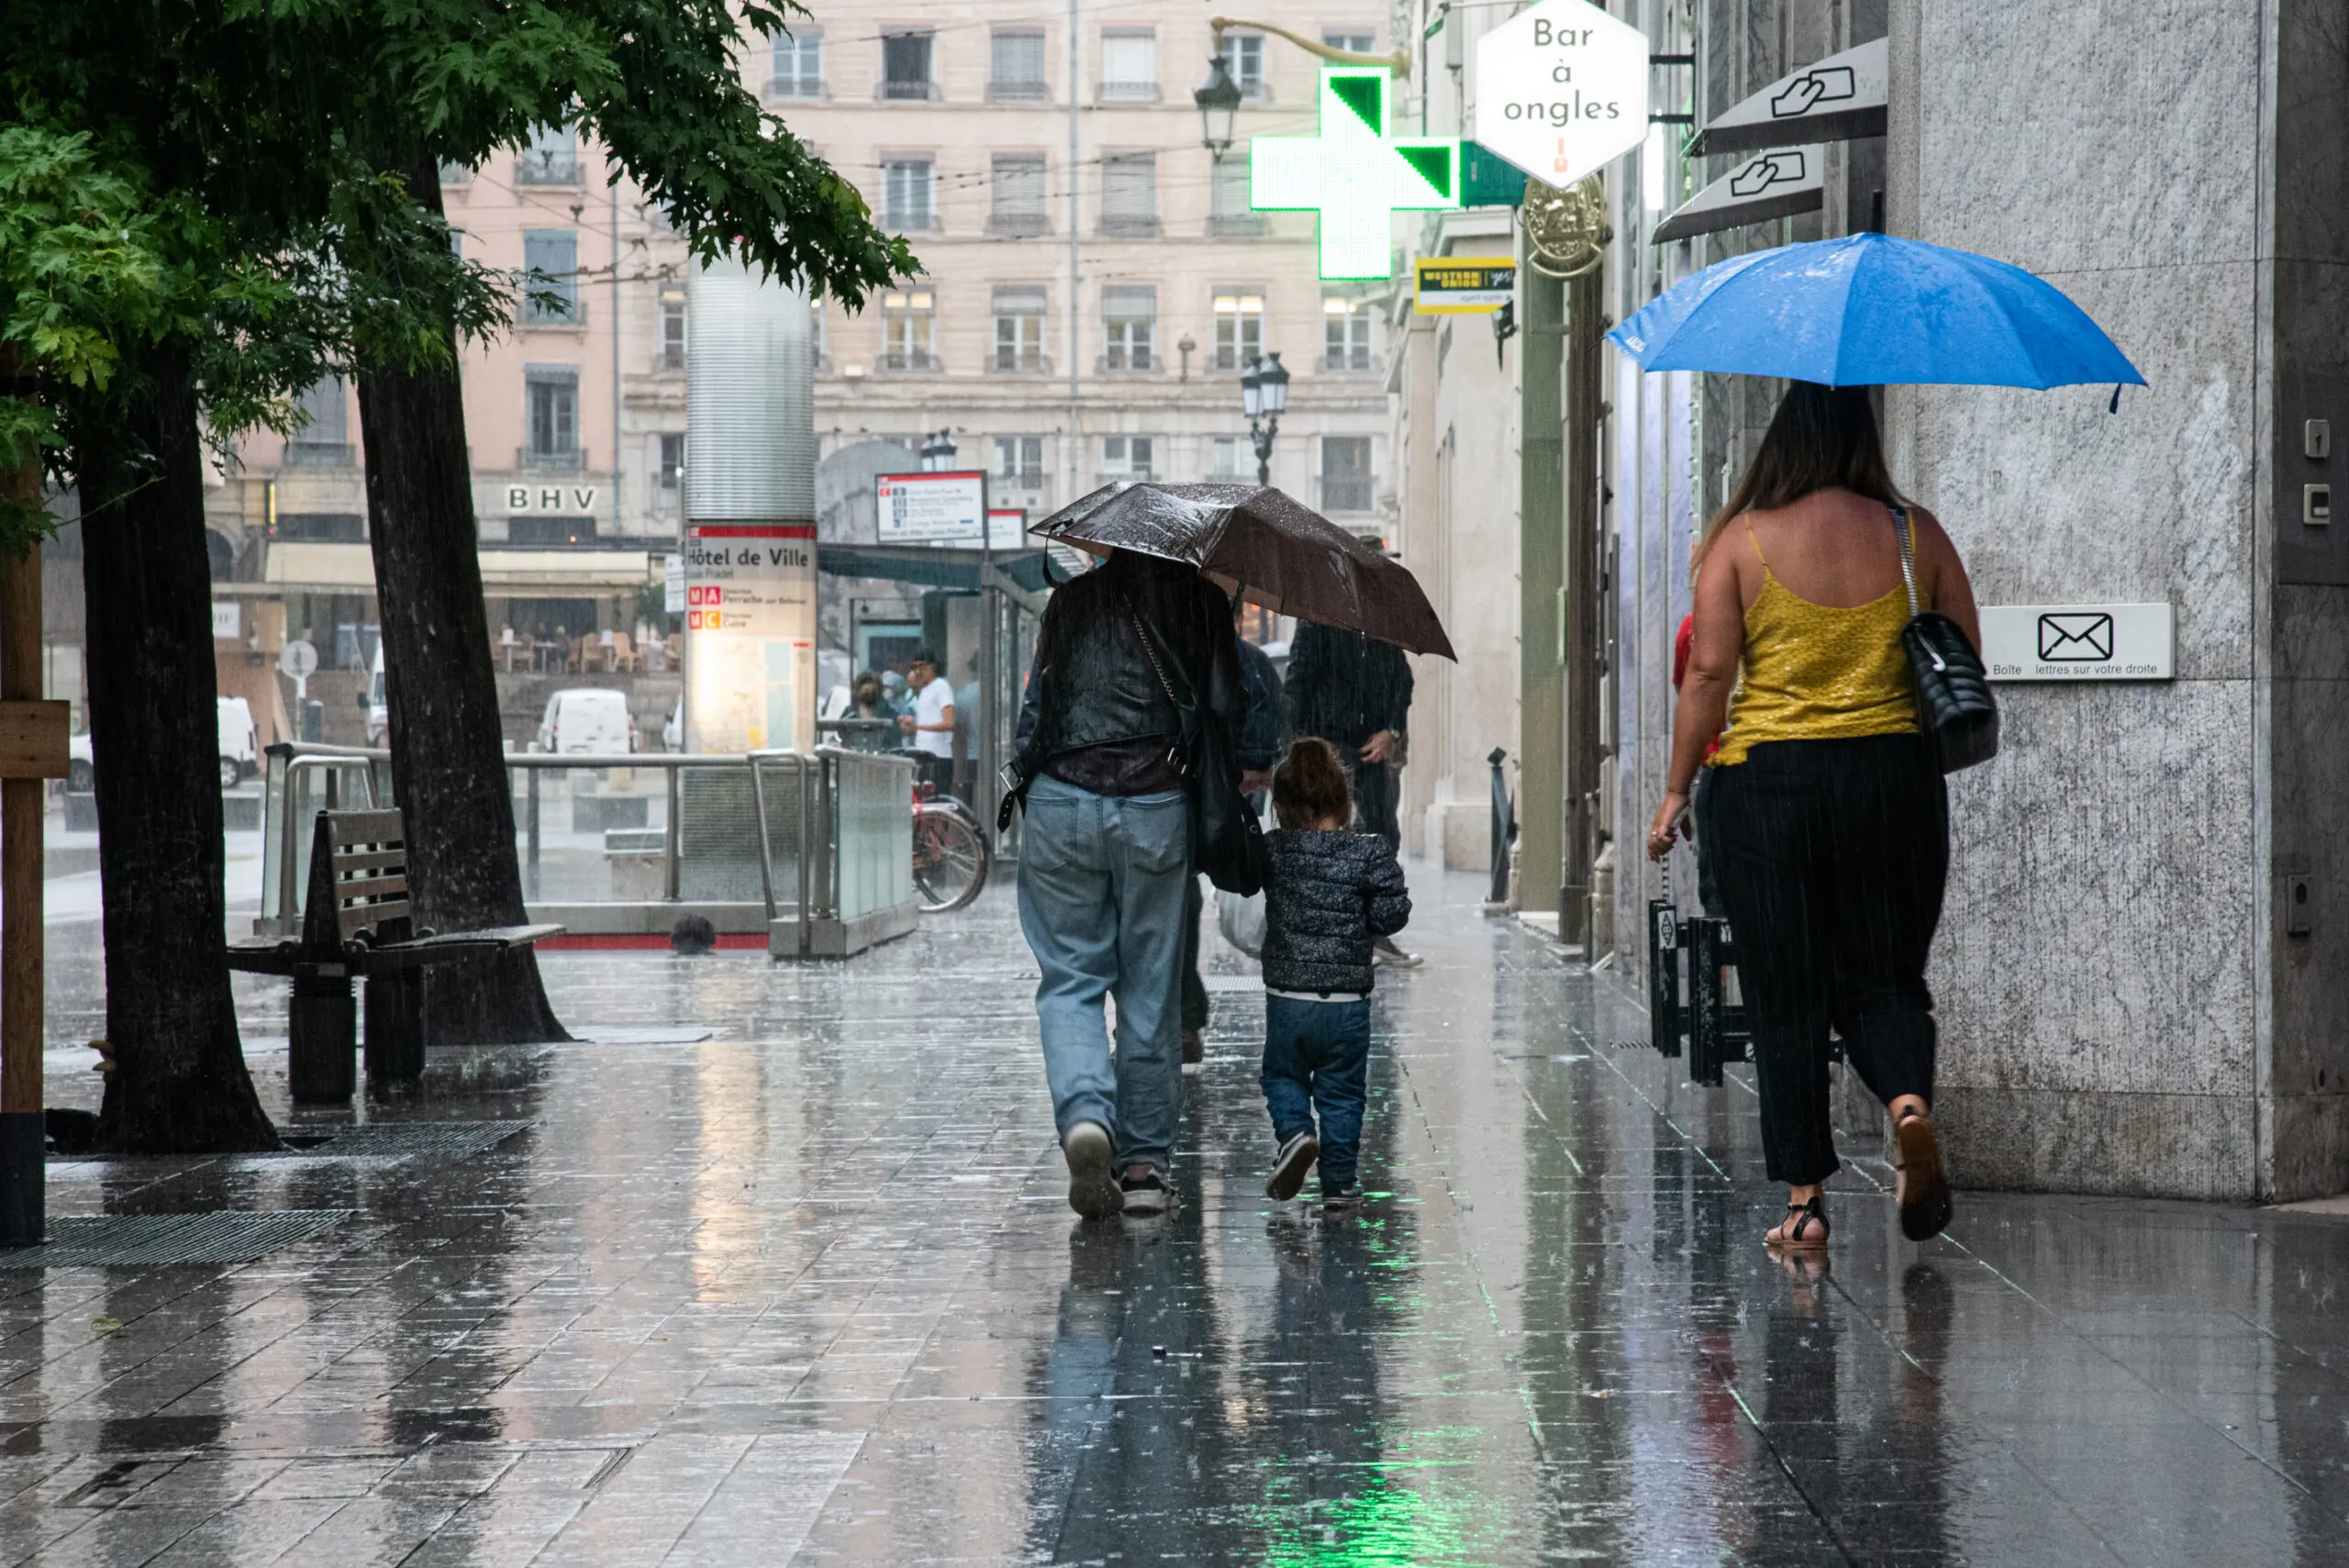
(366, 828)
(369, 860)
(370, 887)
(33, 739)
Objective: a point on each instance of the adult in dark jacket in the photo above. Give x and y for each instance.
(1104, 855)
(1263, 735)
(1355, 693)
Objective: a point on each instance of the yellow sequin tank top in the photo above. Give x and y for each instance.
(1819, 672)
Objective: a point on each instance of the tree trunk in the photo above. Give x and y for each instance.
(179, 1083)
(441, 689)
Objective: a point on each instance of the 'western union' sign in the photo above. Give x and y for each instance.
(1462, 285)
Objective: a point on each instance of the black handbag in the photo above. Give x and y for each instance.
(1227, 841)
(1954, 708)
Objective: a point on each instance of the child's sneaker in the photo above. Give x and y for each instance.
(1343, 1199)
(1297, 1157)
(1145, 1192)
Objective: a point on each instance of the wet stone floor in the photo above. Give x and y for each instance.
(807, 1291)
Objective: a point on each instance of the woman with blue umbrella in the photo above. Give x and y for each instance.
(1827, 658)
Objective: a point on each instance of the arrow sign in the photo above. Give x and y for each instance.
(1354, 175)
(1774, 184)
(1835, 99)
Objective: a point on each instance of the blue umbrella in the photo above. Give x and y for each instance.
(1871, 310)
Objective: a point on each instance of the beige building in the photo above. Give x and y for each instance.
(1094, 282)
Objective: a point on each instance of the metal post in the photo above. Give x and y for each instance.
(807, 830)
(674, 840)
(533, 865)
(23, 984)
(1503, 828)
(766, 840)
(1541, 648)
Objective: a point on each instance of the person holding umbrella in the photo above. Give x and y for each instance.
(1835, 655)
(1131, 658)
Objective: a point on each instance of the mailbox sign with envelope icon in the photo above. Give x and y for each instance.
(2075, 636)
(2076, 643)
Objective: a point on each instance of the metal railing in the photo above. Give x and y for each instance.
(793, 845)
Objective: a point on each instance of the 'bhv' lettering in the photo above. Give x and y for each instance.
(571, 498)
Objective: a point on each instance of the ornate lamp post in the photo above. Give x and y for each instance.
(938, 452)
(1219, 101)
(1264, 394)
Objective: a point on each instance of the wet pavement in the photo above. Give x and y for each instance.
(807, 1291)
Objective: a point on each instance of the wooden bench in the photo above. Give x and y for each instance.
(356, 922)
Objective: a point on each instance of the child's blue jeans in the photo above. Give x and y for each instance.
(1317, 1056)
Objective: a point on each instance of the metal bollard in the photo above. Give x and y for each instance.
(532, 889)
(1503, 828)
(1666, 950)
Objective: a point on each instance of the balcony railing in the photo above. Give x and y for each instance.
(530, 460)
(909, 221)
(573, 313)
(546, 169)
(914, 363)
(1239, 225)
(803, 88)
(904, 91)
(1130, 226)
(300, 453)
(1018, 225)
(1017, 92)
(1129, 92)
(1019, 361)
(1128, 365)
(1354, 359)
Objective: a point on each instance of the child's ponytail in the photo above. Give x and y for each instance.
(1309, 787)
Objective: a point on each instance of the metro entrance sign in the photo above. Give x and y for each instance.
(1562, 90)
(1354, 175)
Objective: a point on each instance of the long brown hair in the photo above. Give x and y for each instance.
(1823, 438)
(1309, 787)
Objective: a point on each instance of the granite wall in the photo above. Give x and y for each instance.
(2121, 1012)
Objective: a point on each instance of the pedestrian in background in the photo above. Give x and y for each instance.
(931, 725)
(1105, 855)
(1332, 892)
(1355, 693)
(1827, 799)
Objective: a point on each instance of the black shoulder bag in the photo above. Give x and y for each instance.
(1954, 707)
(1227, 841)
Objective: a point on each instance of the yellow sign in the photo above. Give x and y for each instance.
(1462, 285)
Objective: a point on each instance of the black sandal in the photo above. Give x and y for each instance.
(1804, 1229)
(1920, 1186)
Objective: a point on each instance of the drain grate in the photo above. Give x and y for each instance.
(414, 1140)
(153, 1241)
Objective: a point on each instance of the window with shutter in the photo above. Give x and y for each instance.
(1244, 58)
(1345, 474)
(1130, 193)
(1016, 64)
(550, 268)
(1345, 335)
(1017, 187)
(1129, 67)
(907, 185)
(1229, 215)
(551, 416)
(909, 330)
(324, 440)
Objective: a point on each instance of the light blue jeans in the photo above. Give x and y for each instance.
(1101, 881)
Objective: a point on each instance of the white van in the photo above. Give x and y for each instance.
(239, 749)
(593, 719)
(379, 710)
(239, 742)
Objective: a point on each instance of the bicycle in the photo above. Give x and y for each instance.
(952, 856)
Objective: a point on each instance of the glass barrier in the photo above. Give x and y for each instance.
(872, 798)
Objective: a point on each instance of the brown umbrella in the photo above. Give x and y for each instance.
(1264, 546)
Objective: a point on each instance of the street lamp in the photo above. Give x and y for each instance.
(938, 452)
(1219, 101)
(1264, 394)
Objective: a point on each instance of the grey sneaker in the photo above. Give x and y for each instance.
(1092, 1186)
(1384, 951)
(1195, 1052)
(1145, 1192)
(1297, 1157)
(1343, 1199)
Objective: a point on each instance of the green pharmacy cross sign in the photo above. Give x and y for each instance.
(1354, 175)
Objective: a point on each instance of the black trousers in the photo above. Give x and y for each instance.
(1377, 796)
(1831, 857)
